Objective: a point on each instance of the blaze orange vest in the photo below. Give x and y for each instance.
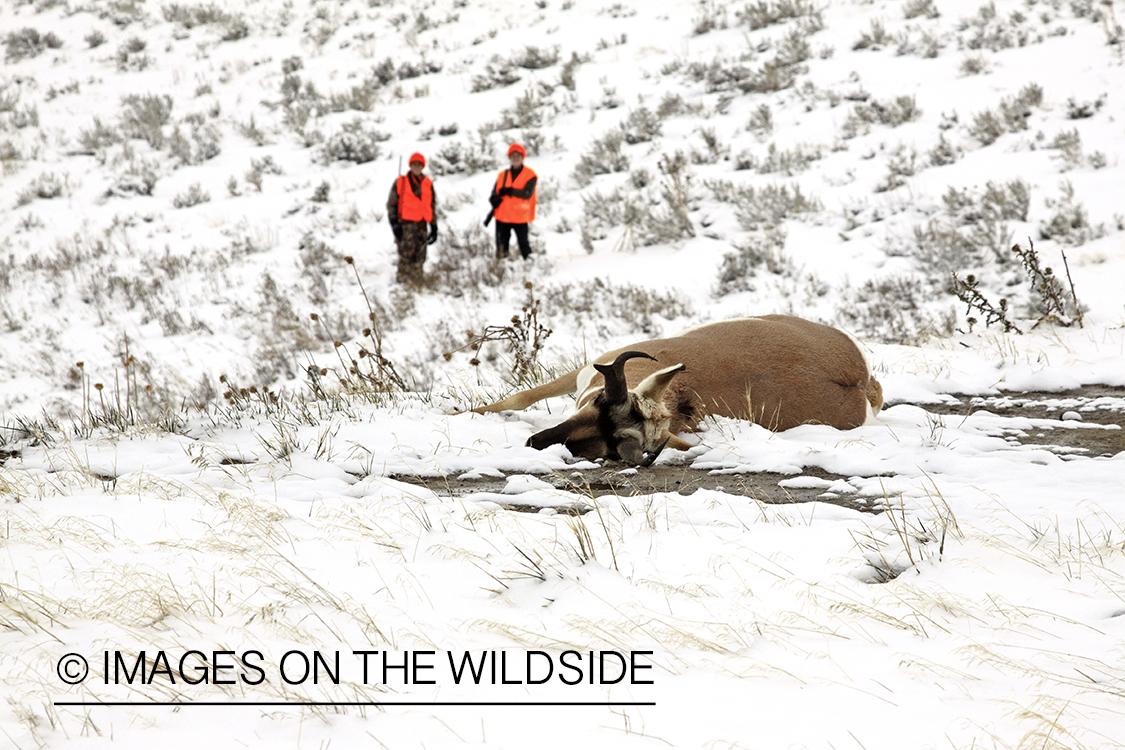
(410, 206)
(513, 210)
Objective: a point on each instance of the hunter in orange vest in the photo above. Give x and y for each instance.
(513, 203)
(410, 207)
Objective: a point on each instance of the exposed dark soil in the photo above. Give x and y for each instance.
(1094, 404)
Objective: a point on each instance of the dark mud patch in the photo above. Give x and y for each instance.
(1064, 414)
(618, 481)
(1058, 423)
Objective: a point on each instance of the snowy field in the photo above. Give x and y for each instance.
(217, 529)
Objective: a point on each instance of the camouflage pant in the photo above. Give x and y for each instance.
(412, 251)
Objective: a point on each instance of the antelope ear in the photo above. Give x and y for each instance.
(654, 385)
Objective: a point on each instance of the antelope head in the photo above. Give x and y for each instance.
(629, 425)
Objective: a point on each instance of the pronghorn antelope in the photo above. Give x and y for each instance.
(775, 370)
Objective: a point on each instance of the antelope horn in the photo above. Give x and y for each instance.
(616, 389)
(650, 458)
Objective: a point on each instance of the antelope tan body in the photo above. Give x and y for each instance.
(776, 370)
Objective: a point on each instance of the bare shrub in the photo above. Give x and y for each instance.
(1076, 110)
(968, 291)
(193, 196)
(525, 337)
(876, 38)
(1069, 225)
(202, 146)
(604, 157)
(776, 74)
(902, 163)
(145, 115)
(360, 98)
(233, 27)
(27, 43)
(472, 156)
(614, 309)
(534, 108)
(190, 16)
(769, 206)
(356, 142)
(131, 55)
(973, 65)
(46, 186)
(1069, 145)
(1010, 117)
(941, 249)
(497, 74)
(122, 12)
(644, 217)
(762, 251)
(787, 162)
(989, 30)
(535, 58)
(973, 232)
(761, 121)
(139, 178)
(711, 18)
(927, 45)
(893, 310)
(97, 137)
(1008, 201)
(641, 126)
(763, 13)
(9, 153)
(466, 262)
(944, 153)
(673, 104)
(713, 148)
(1048, 300)
(918, 8)
(901, 110)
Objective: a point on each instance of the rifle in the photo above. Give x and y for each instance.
(490, 214)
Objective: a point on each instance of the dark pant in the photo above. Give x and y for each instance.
(504, 236)
(412, 251)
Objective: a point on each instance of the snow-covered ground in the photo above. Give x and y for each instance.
(233, 541)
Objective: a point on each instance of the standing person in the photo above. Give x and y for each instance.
(513, 202)
(410, 207)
